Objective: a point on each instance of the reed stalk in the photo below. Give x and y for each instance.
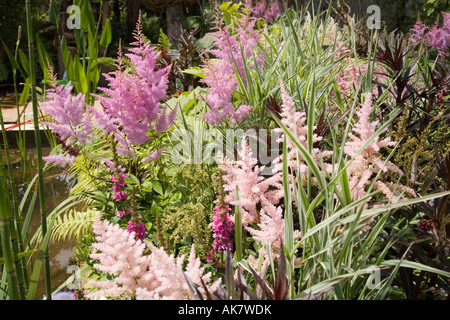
(38, 147)
(5, 234)
(16, 239)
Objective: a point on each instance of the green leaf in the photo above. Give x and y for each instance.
(87, 16)
(20, 255)
(43, 57)
(414, 265)
(196, 71)
(24, 61)
(12, 59)
(131, 180)
(80, 76)
(25, 92)
(163, 40)
(35, 274)
(92, 46)
(106, 38)
(157, 186)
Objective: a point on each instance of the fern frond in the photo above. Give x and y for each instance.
(73, 224)
(163, 40)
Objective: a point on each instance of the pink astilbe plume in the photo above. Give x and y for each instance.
(132, 105)
(234, 44)
(271, 226)
(252, 186)
(166, 275)
(417, 32)
(295, 121)
(71, 119)
(350, 73)
(273, 10)
(437, 37)
(263, 9)
(367, 163)
(61, 160)
(135, 273)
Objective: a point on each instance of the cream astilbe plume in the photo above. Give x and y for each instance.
(145, 276)
(121, 255)
(271, 226)
(252, 186)
(170, 282)
(367, 164)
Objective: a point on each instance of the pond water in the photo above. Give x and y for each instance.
(57, 187)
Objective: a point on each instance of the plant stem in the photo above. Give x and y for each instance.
(5, 233)
(15, 234)
(238, 228)
(38, 147)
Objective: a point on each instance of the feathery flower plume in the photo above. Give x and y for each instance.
(245, 174)
(366, 164)
(132, 105)
(417, 32)
(437, 38)
(61, 160)
(137, 274)
(71, 120)
(234, 44)
(120, 255)
(295, 121)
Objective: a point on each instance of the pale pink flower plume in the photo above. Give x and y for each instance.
(367, 163)
(437, 37)
(136, 274)
(252, 186)
(71, 119)
(61, 160)
(295, 121)
(271, 226)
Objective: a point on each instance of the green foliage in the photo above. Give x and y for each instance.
(434, 7)
(73, 224)
(189, 222)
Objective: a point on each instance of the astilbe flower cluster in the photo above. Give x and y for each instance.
(253, 188)
(262, 9)
(367, 163)
(71, 119)
(132, 105)
(349, 74)
(271, 227)
(437, 37)
(234, 44)
(295, 120)
(258, 198)
(135, 273)
(222, 229)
